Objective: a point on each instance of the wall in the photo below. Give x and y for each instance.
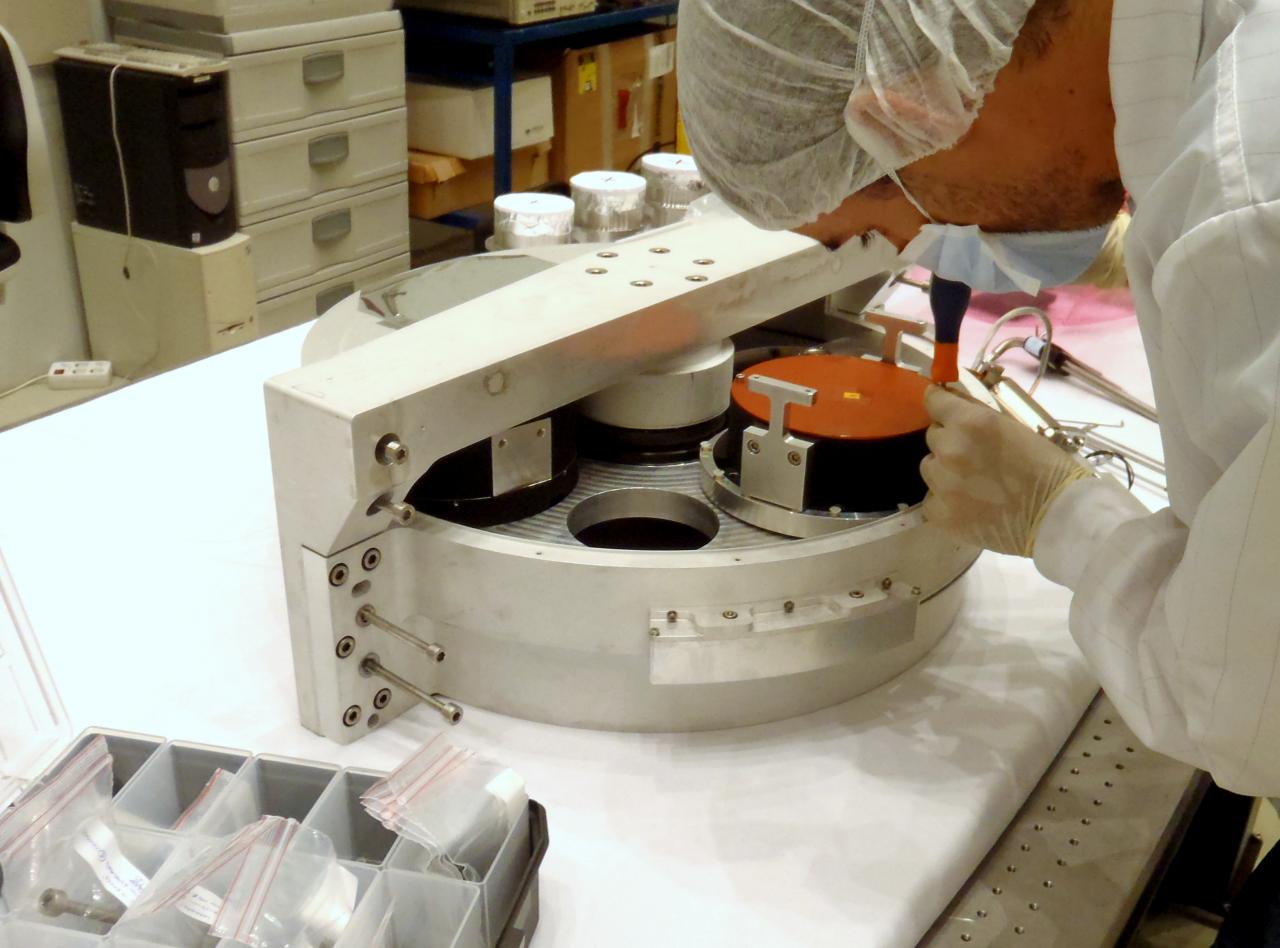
(41, 316)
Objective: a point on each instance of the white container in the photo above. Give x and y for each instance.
(156, 34)
(531, 220)
(672, 183)
(513, 11)
(608, 205)
(305, 247)
(177, 304)
(297, 307)
(282, 90)
(274, 173)
(458, 120)
(230, 16)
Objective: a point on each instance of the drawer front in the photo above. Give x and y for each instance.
(294, 308)
(312, 81)
(317, 243)
(272, 173)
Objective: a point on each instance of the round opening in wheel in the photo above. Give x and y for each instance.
(643, 519)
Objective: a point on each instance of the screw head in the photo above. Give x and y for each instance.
(856, 594)
(672, 615)
(659, 250)
(382, 698)
(835, 511)
(642, 283)
(372, 557)
(729, 614)
(338, 575)
(915, 590)
(788, 606)
(389, 450)
(542, 432)
(596, 271)
(346, 645)
(753, 447)
(793, 458)
(351, 717)
(704, 261)
(606, 254)
(696, 278)
(886, 584)
(654, 632)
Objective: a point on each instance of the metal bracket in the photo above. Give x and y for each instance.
(775, 464)
(521, 456)
(894, 327)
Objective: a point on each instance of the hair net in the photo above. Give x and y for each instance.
(790, 106)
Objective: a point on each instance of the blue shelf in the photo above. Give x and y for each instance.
(428, 32)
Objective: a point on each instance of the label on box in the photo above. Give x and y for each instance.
(588, 74)
(97, 846)
(662, 60)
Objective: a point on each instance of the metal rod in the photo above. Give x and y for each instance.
(55, 902)
(450, 711)
(367, 615)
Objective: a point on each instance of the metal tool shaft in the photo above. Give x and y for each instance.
(450, 711)
(368, 615)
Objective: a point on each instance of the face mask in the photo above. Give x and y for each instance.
(1002, 263)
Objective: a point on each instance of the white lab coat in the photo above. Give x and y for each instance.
(1179, 611)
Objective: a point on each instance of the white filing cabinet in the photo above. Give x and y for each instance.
(319, 144)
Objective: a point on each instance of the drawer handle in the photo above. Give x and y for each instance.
(319, 68)
(332, 226)
(328, 149)
(332, 296)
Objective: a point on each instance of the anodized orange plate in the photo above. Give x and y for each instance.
(857, 400)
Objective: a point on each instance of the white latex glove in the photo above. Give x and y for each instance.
(991, 479)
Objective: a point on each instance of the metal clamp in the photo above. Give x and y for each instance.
(894, 327)
(775, 464)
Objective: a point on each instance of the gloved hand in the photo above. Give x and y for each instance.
(991, 479)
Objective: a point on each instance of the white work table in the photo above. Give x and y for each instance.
(140, 530)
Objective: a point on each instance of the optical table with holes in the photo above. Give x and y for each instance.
(140, 530)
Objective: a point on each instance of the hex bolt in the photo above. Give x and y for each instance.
(390, 450)
(447, 709)
(55, 902)
(793, 458)
(382, 698)
(367, 615)
(372, 557)
(346, 645)
(351, 717)
(338, 575)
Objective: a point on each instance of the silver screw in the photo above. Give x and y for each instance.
(351, 716)
(642, 283)
(382, 698)
(696, 278)
(606, 254)
(654, 632)
(372, 557)
(834, 511)
(659, 250)
(389, 450)
(729, 614)
(346, 645)
(856, 594)
(542, 432)
(740, 376)
(401, 513)
(753, 447)
(338, 575)
(672, 615)
(704, 262)
(55, 902)
(793, 457)
(596, 271)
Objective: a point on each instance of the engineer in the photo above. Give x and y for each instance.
(993, 141)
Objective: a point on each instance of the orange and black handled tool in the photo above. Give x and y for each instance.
(949, 300)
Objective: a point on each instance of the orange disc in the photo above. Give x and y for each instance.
(858, 399)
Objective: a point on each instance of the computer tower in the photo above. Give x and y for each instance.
(151, 125)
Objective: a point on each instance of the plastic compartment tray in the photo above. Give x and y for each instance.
(156, 781)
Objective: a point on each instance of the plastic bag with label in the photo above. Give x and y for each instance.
(274, 884)
(452, 802)
(37, 832)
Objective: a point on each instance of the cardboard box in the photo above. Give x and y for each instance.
(458, 120)
(439, 184)
(613, 102)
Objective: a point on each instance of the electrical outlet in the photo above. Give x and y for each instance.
(79, 375)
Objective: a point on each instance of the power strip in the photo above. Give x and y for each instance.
(63, 375)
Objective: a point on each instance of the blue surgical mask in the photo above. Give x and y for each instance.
(1002, 263)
